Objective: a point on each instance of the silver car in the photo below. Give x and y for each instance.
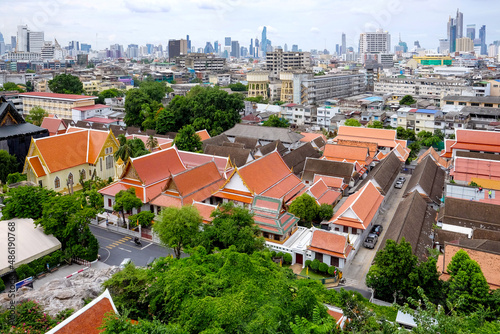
(371, 240)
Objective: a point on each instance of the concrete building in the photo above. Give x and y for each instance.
(201, 62)
(471, 101)
(60, 105)
(298, 114)
(375, 42)
(422, 87)
(279, 61)
(177, 47)
(465, 44)
(318, 89)
(258, 83)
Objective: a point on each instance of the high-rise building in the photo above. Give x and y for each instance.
(482, 37)
(235, 49)
(471, 31)
(227, 41)
(465, 44)
(285, 48)
(337, 49)
(452, 34)
(85, 47)
(344, 44)
(278, 61)
(22, 39)
(264, 41)
(416, 44)
(216, 47)
(188, 41)
(133, 51)
(35, 41)
(177, 47)
(460, 24)
(444, 46)
(295, 48)
(251, 47)
(13, 42)
(74, 45)
(208, 48)
(2, 44)
(375, 42)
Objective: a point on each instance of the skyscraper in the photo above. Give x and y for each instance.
(2, 44)
(13, 42)
(482, 37)
(263, 41)
(375, 42)
(295, 48)
(35, 41)
(188, 44)
(460, 24)
(227, 41)
(251, 47)
(452, 34)
(286, 48)
(22, 38)
(235, 49)
(471, 31)
(344, 45)
(216, 47)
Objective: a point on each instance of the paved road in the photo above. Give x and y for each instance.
(355, 272)
(114, 247)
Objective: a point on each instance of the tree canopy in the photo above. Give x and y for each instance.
(8, 165)
(238, 87)
(352, 122)
(126, 200)
(188, 140)
(305, 207)
(376, 125)
(130, 148)
(407, 100)
(66, 84)
(108, 94)
(11, 86)
(178, 227)
(207, 108)
(155, 90)
(232, 225)
(36, 115)
(276, 122)
(134, 100)
(26, 202)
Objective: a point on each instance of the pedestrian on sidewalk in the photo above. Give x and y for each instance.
(489, 193)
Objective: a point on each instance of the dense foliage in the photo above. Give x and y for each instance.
(36, 115)
(126, 200)
(130, 148)
(306, 208)
(66, 84)
(407, 100)
(188, 140)
(352, 122)
(11, 86)
(26, 202)
(30, 318)
(275, 121)
(8, 165)
(207, 108)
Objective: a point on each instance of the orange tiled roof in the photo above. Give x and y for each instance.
(263, 173)
(205, 211)
(114, 188)
(329, 241)
(402, 153)
(342, 152)
(329, 197)
(330, 181)
(360, 207)
(191, 159)
(372, 147)
(309, 137)
(37, 166)
(318, 188)
(166, 201)
(52, 124)
(203, 134)
(465, 169)
(192, 180)
(290, 185)
(435, 156)
(158, 166)
(74, 148)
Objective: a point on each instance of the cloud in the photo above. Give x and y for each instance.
(314, 30)
(147, 6)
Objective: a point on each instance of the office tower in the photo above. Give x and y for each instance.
(251, 47)
(375, 42)
(2, 44)
(216, 47)
(177, 47)
(263, 42)
(13, 42)
(482, 37)
(188, 47)
(208, 48)
(403, 45)
(471, 31)
(22, 38)
(286, 48)
(417, 44)
(227, 41)
(243, 52)
(337, 49)
(133, 51)
(74, 45)
(295, 48)
(344, 44)
(150, 48)
(235, 49)
(35, 41)
(465, 44)
(452, 34)
(444, 46)
(460, 24)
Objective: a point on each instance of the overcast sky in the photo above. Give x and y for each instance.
(312, 24)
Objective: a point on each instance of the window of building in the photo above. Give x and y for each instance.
(490, 105)
(57, 182)
(109, 162)
(428, 115)
(418, 121)
(110, 202)
(461, 103)
(449, 102)
(474, 104)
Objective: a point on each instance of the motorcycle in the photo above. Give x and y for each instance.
(137, 242)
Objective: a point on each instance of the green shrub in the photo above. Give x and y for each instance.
(16, 177)
(315, 265)
(55, 258)
(287, 258)
(280, 254)
(24, 271)
(144, 218)
(2, 285)
(308, 263)
(323, 267)
(273, 254)
(331, 271)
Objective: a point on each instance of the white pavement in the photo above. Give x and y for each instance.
(65, 271)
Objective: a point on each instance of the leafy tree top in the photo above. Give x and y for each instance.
(352, 122)
(66, 84)
(275, 121)
(407, 100)
(188, 140)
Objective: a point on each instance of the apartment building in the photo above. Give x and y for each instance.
(258, 83)
(279, 61)
(471, 101)
(325, 114)
(419, 119)
(298, 114)
(422, 87)
(60, 105)
(318, 89)
(201, 62)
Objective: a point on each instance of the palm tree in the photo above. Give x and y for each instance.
(124, 151)
(151, 143)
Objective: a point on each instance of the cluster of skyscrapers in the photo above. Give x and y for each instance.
(457, 42)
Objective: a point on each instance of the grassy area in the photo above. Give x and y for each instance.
(312, 274)
(388, 312)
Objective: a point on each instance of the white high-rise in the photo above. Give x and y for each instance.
(22, 39)
(35, 41)
(375, 42)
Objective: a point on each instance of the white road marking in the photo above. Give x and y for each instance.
(146, 246)
(126, 250)
(109, 253)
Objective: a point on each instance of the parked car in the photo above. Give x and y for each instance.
(398, 185)
(371, 240)
(401, 179)
(377, 229)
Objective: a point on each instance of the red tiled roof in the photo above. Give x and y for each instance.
(205, 211)
(330, 181)
(192, 180)
(158, 166)
(338, 152)
(114, 188)
(100, 120)
(359, 208)
(309, 137)
(329, 197)
(383, 137)
(318, 189)
(37, 166)
(291, 183)
(166, 201)
(329, 241)
(267, 204)
(52, 124)
(191, 159)
(467, 168)
(94, 107)
(58, 96)
(203, 134)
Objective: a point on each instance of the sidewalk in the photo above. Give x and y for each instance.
(65, 271)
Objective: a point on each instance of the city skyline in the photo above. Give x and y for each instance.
(318, 26)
